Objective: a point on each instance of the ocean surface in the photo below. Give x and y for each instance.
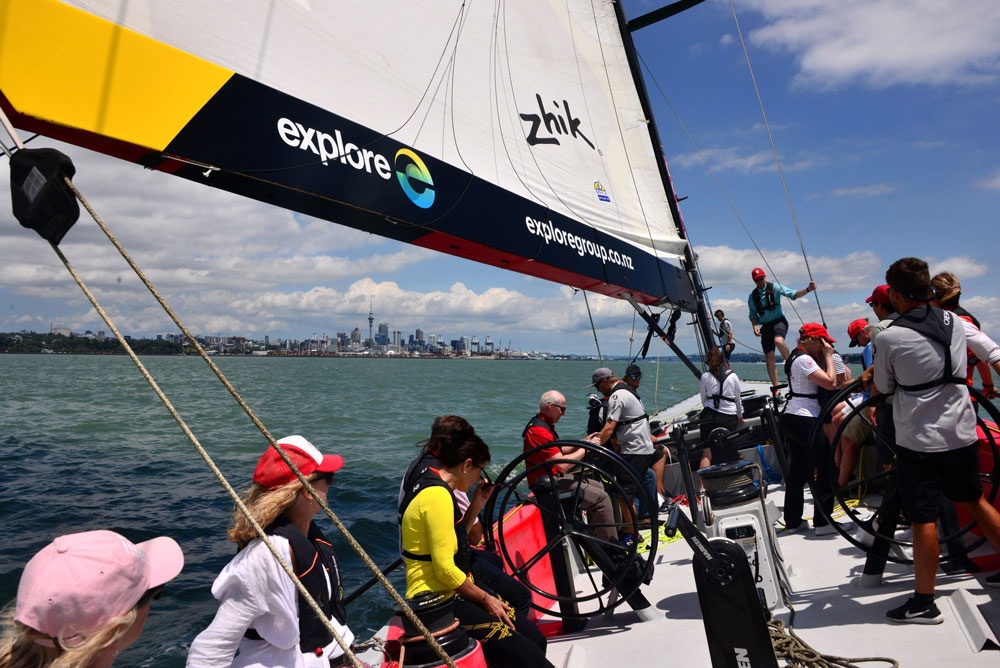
(86, 444)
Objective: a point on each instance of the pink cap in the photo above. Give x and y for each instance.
(79, 582)
(272, 471)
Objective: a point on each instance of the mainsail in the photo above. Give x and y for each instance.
(508, 133)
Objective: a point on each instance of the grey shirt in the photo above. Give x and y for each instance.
(939, 418)
(633, 437)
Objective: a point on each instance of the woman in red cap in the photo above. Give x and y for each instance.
(262, 619)
(809, 367)
(84, 598)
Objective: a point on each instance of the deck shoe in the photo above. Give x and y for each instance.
(912, 613)
(993, 580)
(825, 530)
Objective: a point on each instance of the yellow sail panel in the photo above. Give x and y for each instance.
(61, 65)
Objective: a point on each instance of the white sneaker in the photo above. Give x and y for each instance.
(825, 530)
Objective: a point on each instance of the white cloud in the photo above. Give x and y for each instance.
(873, 190)
(992, 182)
(883, 43)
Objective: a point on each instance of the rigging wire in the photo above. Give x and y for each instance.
(406, 610)
(592, 327)
(715, 178)
(777, 158)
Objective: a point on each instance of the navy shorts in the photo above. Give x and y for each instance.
(925, 476)
(769, 330)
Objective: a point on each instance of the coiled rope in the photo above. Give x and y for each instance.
(790, 647)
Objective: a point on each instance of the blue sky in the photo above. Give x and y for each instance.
(884, 114)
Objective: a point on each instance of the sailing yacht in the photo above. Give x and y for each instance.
(514, 134)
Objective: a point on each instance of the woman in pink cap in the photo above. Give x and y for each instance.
(262, 619)
(84, 598)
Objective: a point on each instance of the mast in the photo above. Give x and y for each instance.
(702, 310)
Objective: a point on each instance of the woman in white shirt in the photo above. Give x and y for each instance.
(809, 368)
(262, 619)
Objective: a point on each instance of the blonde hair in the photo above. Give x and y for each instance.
(947, 290)
(19, 646)
(265, 506)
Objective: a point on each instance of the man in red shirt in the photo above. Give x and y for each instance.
(541, 430)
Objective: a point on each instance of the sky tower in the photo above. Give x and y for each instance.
(371, 323)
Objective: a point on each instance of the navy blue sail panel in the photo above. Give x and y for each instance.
(313, 161)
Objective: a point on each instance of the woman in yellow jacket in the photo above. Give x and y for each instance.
(435, 549)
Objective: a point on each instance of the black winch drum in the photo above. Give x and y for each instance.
(731, 484)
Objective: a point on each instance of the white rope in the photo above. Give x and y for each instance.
(401, 603)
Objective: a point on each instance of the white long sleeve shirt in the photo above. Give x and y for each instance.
(255, 592)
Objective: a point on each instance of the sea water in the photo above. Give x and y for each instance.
(86, 444)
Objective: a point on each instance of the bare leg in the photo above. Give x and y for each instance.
(925, 556)
(779, 343)
(988, 519)
(772, 370)
(848, 450)
(658, 466)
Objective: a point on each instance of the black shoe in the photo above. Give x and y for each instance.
(909, 613)
(993, 580)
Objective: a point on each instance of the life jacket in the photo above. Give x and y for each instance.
(768, 303)
(627, 421)
(719, 396)
(597, 416)
(971, 360)
(313, 561)
(936, 325)
(427, 476)
(537, 421)
(795, 354)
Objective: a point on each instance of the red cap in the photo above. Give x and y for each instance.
(880, 295)
(272, 471)
(816, 330)
(855, 328)
(757, 273)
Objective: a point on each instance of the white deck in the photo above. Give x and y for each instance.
(833, 613)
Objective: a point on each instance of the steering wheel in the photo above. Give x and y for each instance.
(565, 526)
(853, 496)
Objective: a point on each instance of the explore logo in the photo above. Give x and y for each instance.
(411, 172)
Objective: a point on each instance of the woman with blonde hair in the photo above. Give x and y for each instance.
(84, 598)
(262, 619)
(947, 292)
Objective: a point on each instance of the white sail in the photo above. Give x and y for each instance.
(514, 127)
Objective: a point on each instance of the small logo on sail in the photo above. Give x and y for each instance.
(414, 178)
(602, 194)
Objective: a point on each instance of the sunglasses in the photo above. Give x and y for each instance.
(562, 408)
(153, 594)
(637, 376)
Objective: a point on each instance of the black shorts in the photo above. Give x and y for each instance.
(925, 476)
(769, 330)
(639, 464)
